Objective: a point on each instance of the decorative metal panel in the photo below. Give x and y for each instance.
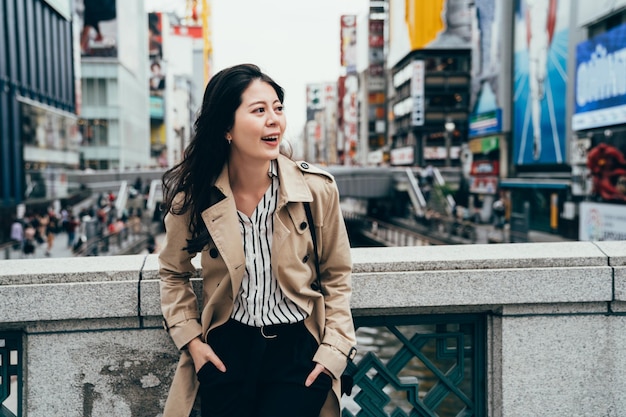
(418, 366)
(10, 374)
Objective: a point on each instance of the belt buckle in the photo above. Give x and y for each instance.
(352, 353)
(267, 336)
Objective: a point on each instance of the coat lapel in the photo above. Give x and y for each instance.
(293, 187)
(293, 191)
(223, 226)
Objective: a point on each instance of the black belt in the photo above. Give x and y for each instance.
(273, 331)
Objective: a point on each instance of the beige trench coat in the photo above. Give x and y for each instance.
(223, 264)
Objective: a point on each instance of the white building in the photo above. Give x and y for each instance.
(114, 113)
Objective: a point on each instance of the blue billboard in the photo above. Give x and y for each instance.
(601, 80)
(540, 65)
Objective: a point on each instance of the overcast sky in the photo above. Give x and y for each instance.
(296, 42)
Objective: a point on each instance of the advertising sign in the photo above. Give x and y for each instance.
(376, 55)
(348, 43)
(484, 145)
(540, 87)
(440, 152)
(600, 81)
(44, 127)
(64, 7)
(486, 100)
(402, 156)
(318, 95)
(435, 24)
(157, 108)
(485, 168)
(602, 222)
(483, 185)
(485, 123)
(98, 22)
(349, 104)
(417, 93)
(314, 98)
(155, 50)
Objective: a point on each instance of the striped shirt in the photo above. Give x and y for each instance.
(260, 301)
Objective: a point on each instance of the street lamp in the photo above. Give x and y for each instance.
(449, 126)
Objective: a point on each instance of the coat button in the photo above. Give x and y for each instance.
(302, 225)
(305, 259)
(213, 253)
(304, 165)
(315, 286)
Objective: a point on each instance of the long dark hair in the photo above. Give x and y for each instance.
(208, 150)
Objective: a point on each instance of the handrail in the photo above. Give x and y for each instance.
(415, 193)
(441, 182)
(99, 319)
(121, 241)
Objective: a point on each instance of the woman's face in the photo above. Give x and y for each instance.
(259, 124)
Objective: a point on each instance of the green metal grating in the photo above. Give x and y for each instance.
(10, 374)
(419, 366)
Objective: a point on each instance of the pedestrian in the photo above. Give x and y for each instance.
(17, 233)
(71, 227)
(267, 340)
(498, 214)
(50, 235)
(28, 248)
(43, 220)
(151, 244)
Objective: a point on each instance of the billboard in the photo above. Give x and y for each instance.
(540, 78)
(155, 51)
(376, 55)
(486, 67)
(600, 81)
(98, 22)
(46, 128)
(319, 96)
(348, 43)
(432, 24)
(64, 7)
(602, 222)
(417, 93)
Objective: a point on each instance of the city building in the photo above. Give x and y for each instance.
(321, 129)
(114, 114)
(373, 144)
(533, 116)
(180, 48)
(568, 138)
(539, 180)
(430, 58)
(598, 151)
(39, 140)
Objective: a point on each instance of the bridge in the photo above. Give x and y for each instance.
(519, 329)
(353, 181)
(384, 205)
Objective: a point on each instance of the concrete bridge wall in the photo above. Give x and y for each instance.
(93, 344)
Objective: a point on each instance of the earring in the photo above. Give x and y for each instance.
(229, 139)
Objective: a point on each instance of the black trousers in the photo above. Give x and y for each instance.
(265, 373)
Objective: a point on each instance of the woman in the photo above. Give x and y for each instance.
(265, 341)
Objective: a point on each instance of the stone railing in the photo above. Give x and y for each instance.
(91, 343)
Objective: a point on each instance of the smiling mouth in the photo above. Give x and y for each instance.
(270, 139)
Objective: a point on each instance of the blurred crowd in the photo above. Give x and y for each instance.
(39, 231)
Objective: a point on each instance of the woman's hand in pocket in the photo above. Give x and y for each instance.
(203, 353)
(319, 369)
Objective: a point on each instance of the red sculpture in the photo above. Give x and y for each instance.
(608, 170)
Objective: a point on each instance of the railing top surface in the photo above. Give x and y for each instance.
(490, 256)
(397, 280)
(365, 260)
